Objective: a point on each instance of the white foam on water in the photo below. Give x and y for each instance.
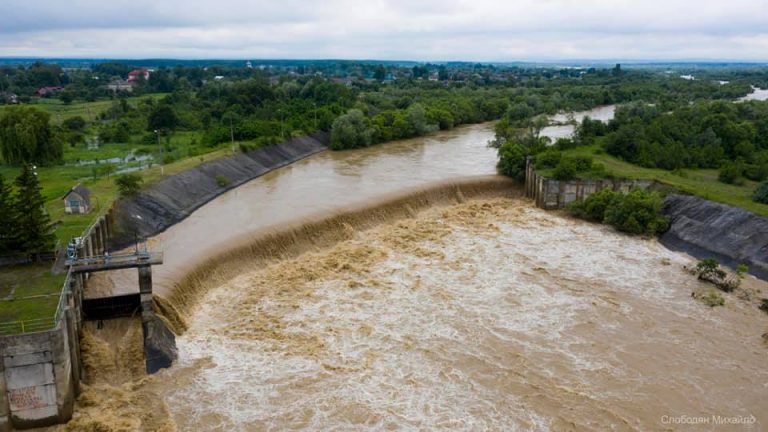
(537, 323)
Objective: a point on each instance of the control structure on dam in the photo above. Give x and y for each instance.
(41, 366)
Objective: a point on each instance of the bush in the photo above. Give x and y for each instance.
(756, 172)
(566, 169)
(761, 193)
(764, 305)
(583, 163)
(222, 181)
(75, 123)
(512, 161)
(548, 159)
(709, 270)
(731, 174)
(594, 206)
(638, 212)
(128, 184)
(712, 298)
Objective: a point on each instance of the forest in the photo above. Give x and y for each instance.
(184, 112)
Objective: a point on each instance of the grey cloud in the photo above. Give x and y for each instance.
(394, 29)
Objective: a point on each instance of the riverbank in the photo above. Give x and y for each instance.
(154, 209)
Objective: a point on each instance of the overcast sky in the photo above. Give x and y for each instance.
(476, 30)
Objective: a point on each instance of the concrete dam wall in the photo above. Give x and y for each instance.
(707, 229)
(156, 208)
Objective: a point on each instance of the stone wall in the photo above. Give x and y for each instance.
(551, 194)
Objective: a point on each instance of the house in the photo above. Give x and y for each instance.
(120, 85)
(135, 74)
(47, 91)
(77, 200)
(9, 98)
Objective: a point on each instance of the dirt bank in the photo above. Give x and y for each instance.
(707, 229)
(171, 200)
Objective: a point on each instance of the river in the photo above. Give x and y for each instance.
(603, 113)
(486, 315)
(757, 94)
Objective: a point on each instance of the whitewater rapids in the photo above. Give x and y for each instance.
(486, 315)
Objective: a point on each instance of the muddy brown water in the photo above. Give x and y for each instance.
(487, 314)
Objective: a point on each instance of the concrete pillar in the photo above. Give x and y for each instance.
(159, 341)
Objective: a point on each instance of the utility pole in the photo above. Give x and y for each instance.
(315, 105)
(162, 167)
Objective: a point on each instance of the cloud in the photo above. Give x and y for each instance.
(395, 29)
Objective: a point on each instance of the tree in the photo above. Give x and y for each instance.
(418, 124)
(76, 123)
(351, 131)
(33, 224)
(26, 137)
(162, 117)
(128, 184)
(512, 160)
(8, 218)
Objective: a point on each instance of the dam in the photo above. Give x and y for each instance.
(404, 287)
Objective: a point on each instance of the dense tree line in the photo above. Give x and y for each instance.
(702, 135)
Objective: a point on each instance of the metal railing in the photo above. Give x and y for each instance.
(10, 328)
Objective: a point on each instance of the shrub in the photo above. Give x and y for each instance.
(594, 206)
(638, 212)
(764, 305)
(583, 163)
(731, 174)
(709, 270)
(548, 159)
(128, 184)
(712, 298)
(565, 170)
(761, 193)
(76, 123)
(222, 181)
(756, 172)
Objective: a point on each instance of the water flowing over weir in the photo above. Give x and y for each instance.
(375, 290)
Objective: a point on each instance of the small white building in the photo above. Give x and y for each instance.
(120, 85)
(77, 200)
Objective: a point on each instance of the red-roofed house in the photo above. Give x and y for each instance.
(45, 91)
(136, 73)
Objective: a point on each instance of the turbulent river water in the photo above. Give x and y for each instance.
(484, 314)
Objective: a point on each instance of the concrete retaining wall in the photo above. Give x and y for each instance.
(707, 229)
(168, 202)
(551, 194)
(40, 374)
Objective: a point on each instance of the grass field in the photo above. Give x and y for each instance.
(700, 182)
(60, 111)
(29, 297)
